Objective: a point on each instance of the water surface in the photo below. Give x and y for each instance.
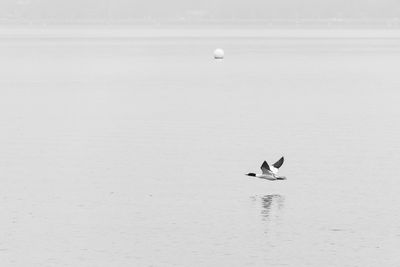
(133, 152)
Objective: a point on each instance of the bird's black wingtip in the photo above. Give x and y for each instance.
(279, 163)
(265, 166)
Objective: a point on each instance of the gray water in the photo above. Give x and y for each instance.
(133, 152)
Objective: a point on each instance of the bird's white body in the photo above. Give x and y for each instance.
(270, 172)
(273, 169)
(270, 177)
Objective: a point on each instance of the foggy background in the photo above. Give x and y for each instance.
(125, 143)
(336, 12)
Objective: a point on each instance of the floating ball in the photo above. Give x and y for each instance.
(219, 53)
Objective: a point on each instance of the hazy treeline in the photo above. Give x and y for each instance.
(192, 10)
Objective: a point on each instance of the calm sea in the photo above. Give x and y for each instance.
(132, 152)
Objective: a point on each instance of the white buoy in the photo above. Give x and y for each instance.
(219, 53)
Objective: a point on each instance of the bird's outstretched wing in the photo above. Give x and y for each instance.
(265, 168)
(279, 163)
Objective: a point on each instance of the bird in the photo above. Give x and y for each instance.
(269, 172)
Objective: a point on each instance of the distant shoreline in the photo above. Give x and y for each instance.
(129, 32)
(334, 22)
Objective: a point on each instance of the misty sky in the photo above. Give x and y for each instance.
(197, 9)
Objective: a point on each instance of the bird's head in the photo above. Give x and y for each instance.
(251, 174)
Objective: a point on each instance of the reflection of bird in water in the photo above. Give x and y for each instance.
(271, 211)
(270, 204)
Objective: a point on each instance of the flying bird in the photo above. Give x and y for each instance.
(270, 172)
